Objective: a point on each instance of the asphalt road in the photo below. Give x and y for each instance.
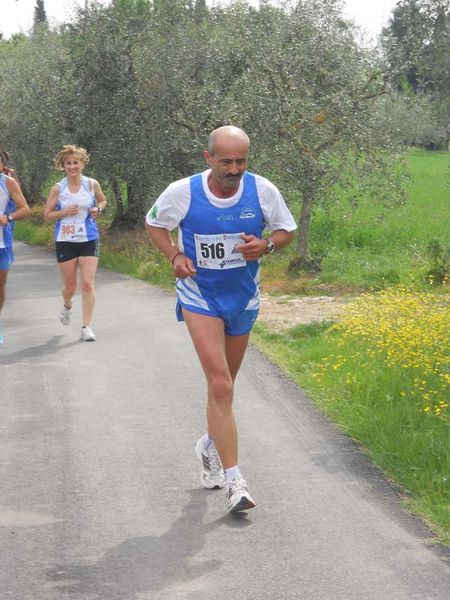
(100, 491)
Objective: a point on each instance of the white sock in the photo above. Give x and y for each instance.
(232, 473)
(208, 443)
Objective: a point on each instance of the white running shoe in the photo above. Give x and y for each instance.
(87, 335)
(212, 475)
(238, 496)
(65, 315)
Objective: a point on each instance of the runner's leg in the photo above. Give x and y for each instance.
(68, 270)
(235, 347)
(209, 340)
(88, 268)
(3, 277)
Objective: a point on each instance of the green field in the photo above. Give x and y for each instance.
(372, 246)
(383, 375)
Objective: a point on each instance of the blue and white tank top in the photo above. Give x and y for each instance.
(210, 236)
(80, 227)
(7, 206)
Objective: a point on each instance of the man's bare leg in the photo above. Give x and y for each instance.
(214, 349)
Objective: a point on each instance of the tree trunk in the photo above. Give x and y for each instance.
(303, 252)
(33, 190)
(132, 216)
(128, 219)
(119, 200)
(303, 259)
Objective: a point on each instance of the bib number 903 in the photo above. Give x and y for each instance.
(68, 230)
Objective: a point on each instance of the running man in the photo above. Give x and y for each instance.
(74, 205)
(13, 207)
(221, 215)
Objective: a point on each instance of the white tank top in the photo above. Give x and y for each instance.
(80, 227)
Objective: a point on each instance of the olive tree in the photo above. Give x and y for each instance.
(104, 113)
(308, 97)
(416, 45)
(31, 93)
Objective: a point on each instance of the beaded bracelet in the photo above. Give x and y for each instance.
(174, 256)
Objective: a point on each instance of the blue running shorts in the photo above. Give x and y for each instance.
(6, 258)
(236, 322)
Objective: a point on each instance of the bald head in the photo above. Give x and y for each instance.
(227, 135)
(227, 156)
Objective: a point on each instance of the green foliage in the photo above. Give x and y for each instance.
(414, 121)
(439, 272)
(31, 122)
(362, 244)
(366, 244)
(40, 16)
(141, 85)
(33, 234)
(308, 118)
(415, 45)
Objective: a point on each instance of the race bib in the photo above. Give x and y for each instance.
(219, 251)
(72, 231)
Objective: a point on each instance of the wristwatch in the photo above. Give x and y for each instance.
(270, 248)
(10, 218)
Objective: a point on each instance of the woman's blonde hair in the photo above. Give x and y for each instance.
(4, 157)
(67, 151)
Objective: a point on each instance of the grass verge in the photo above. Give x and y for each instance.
(382, 374)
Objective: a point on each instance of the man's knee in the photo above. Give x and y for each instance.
(221, 388)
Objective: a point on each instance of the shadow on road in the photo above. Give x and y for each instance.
(36, 353)
(149, 563)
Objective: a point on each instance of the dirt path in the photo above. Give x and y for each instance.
(282, 312)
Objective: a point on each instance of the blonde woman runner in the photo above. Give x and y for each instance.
(74, 205)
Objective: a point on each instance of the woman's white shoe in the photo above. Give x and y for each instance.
(87, 335)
